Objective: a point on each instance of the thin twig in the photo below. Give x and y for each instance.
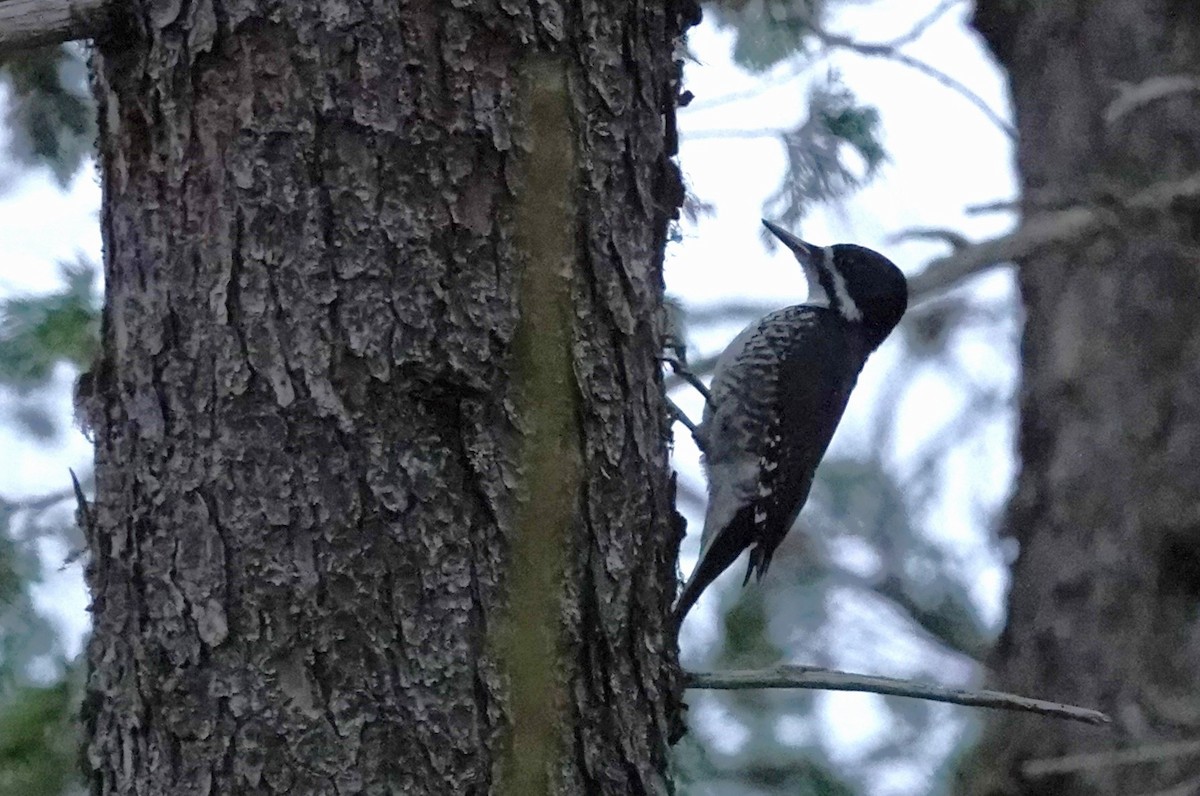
(932, 72)
(833, 680)
(38, 503)
(956, 239)
(682, 417)
(797, 69)
(999, 206)
(792, 73)
(892, 52)
(1131, 97)
(702, 365)
(699, 135)
(924, 24)
(682, 371)
(1088, 761)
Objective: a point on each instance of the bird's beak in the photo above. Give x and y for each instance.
(805, 252)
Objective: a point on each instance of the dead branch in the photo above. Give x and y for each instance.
(832, 680)
(1186, 787)
(918, 30)
(1147, 753)
(891, 51)
(957, 240)
(36, 23)
(1033, 235)
(1134, 96)
(38, 503)
(1000, 206)
(1047, 229)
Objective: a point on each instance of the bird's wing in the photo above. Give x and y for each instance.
(737, 423)
(818, 375)
(791, 372)
(798, 365)
(743, 396)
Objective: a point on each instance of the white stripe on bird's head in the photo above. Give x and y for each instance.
(817, 296)
(845, 304)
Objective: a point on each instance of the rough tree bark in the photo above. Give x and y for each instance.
(373, 271)
(1105, 596)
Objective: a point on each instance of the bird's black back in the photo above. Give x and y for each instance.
(783, 422)
(822, 368)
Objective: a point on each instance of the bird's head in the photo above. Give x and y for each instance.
(858, 283)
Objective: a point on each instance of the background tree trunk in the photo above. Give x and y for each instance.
(373, 271)
(1104, 598)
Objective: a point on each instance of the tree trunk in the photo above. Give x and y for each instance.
(1103, 608)
(382, 493)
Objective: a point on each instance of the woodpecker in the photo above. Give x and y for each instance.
(777, 394)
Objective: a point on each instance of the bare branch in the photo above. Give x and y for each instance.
(957, 240)
(1031, 236)
(681, 370)
(918, 30)
(999, 206)
(949, 82)
(704, 365)
(40, 502)
(890, 51)
(687, 422)
(833, 680)
(1132, 96)
(751, 93)
(1147, 753)
(36, 23)
(697, 135)
(797, 69)
(1039, 232)
(968, 643)
(1187, 787)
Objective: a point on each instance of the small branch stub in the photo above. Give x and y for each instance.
(833, 680)
(36, 23)
(1133, 97)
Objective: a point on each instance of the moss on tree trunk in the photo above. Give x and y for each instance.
(381, 461)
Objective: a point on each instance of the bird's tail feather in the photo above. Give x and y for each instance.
(722, 551)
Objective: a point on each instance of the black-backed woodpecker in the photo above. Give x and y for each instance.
(777, 394)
